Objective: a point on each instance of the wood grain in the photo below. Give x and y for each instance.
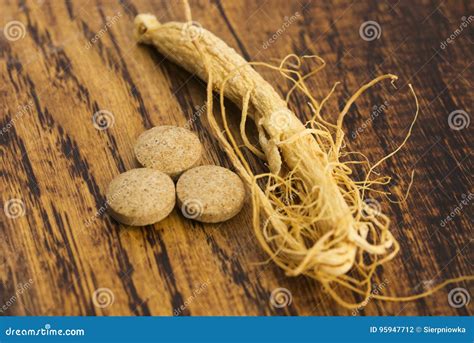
(58, 164)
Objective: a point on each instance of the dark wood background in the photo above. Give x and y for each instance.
(58, 165)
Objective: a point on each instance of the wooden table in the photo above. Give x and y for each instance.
(69, 60)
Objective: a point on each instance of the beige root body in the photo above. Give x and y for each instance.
(316, 221)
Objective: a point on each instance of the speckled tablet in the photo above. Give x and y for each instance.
(141, 196)
(170, 149)
(210, 194)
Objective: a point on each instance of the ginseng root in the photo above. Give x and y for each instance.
(309, 215)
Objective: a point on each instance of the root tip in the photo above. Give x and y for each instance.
(143, 23)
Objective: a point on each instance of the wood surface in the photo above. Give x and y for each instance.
(58, 164)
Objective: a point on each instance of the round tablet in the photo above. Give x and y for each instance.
(210, 194)
(141, 197)
(170, 149)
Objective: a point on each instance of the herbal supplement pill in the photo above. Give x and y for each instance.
(210, 194)
(141, 197)
(170, 149)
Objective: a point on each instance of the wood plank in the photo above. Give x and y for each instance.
(58, 164)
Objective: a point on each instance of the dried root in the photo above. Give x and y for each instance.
(310, 216)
